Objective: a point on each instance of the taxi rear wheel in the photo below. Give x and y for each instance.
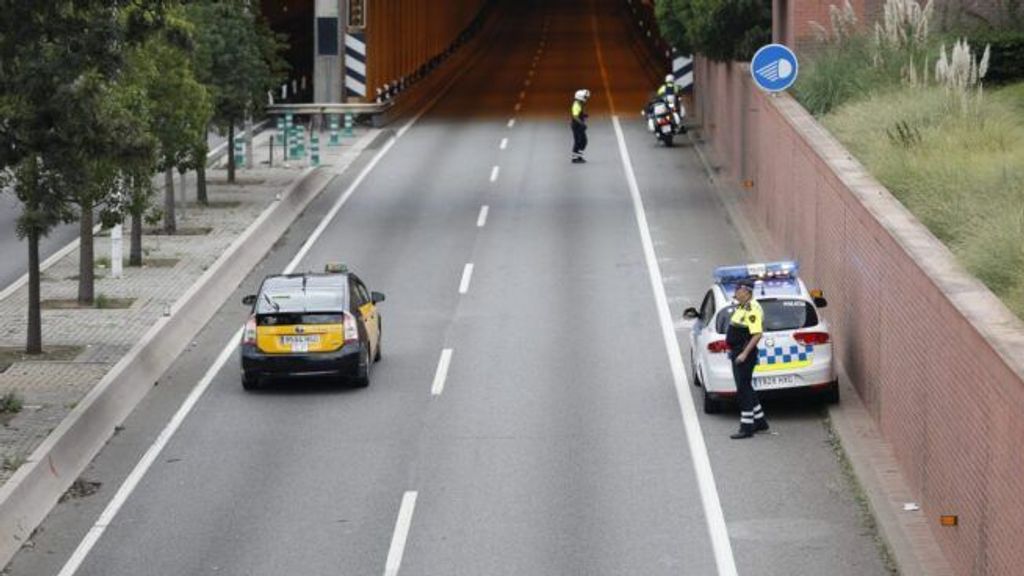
(363, 376)
(250, 382)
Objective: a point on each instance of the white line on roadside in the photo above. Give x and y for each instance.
(527, 83)
(401, 534)
(494, 173)
(531, 72)
(713, 514)
(511, 122)
(467, 275)
(522, 95)
(504, 144)
(481, 220)
(442, 372)
(137, 473)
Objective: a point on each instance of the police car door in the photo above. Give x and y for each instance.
(368, 313)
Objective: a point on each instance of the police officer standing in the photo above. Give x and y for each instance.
(579, 125)
(742, 336)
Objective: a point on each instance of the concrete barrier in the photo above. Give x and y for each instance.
(937, 359)
(31, 493)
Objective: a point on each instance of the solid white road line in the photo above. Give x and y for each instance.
(481, 220)
(713, 514)
(401, 534)
(137, 473)
(442, 372)
(494, 173)
(467, 275)
(511, 122)
(504, 144)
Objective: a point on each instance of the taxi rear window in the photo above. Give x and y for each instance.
(296, 319)
(780, 315)
(300, 302)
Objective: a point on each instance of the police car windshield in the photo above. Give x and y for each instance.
(780, 314)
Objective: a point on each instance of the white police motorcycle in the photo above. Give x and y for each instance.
(665, 118)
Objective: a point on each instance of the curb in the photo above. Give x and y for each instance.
(29, 495)
(910, 541)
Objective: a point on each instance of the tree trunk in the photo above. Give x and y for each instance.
(86, 257)
(231, 153)
(201, 182)
(135, 252)
(34, 342)
(170, 222)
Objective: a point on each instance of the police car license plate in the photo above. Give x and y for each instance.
(665, 129)
(300, 343)
(774, 382)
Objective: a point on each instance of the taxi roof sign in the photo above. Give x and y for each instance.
(335, 268)
(785, 269)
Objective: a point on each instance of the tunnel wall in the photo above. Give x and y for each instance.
(402, 35)
(936, 357)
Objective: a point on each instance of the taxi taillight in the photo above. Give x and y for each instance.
(249, 333)
(351, 329)
(718, 347)
(811, 338)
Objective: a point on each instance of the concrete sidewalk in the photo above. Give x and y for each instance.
(100, 337)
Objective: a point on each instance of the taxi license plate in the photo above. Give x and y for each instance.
(300, 343)
(774, 382)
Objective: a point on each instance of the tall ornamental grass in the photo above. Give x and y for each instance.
(961, 175)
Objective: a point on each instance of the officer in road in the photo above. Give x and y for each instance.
(579, 125)
(742, 336)
(669, 87)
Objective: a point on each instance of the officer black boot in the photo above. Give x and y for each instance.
(746, 431)
(761, 425)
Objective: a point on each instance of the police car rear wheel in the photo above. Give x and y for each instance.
(711, 406)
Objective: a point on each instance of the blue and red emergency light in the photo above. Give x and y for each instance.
(771, 274)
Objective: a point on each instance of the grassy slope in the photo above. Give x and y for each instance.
(964, 179)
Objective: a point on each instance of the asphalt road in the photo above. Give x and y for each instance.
(14, 263)
(557, 444)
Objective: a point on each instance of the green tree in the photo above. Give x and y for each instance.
(59, 61)
(672, 16)
(722, 30)
(238, 58)
(180, 107)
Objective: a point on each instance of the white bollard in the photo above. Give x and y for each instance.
(116, 252)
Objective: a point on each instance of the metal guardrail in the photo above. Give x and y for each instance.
(331, 108)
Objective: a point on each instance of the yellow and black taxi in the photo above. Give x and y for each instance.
(311, 325)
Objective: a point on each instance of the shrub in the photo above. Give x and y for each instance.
(1007, 61)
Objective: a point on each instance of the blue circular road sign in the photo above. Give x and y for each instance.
(774, 68)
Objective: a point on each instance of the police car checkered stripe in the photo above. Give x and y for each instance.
(778, 355)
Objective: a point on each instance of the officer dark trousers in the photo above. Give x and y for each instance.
(750, 406)
(579, 138)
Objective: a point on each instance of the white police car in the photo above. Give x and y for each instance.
(795, 351)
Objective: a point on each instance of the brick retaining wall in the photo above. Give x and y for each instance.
(937, 359)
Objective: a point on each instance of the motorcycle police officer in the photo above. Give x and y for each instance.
(579, 125)
(742, 336)
(669, 87)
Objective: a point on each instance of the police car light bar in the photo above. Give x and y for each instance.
(761, 271)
